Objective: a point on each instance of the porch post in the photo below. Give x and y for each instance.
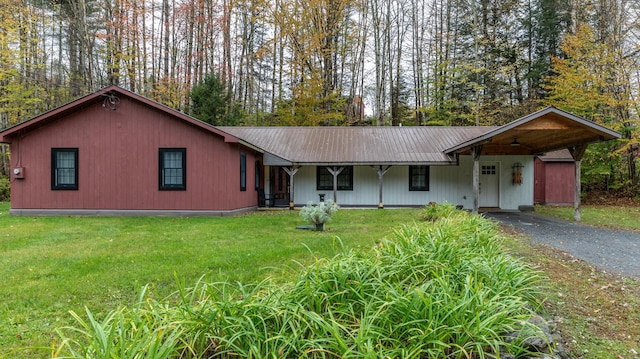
(381, 172)
(335, 171)
(577, 152)
(475, 154)
(291, 171)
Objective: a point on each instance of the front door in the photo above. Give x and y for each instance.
(279, 186)
(489, 185)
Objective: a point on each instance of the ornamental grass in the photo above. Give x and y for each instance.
(435, 289)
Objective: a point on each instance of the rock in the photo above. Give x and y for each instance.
(543, 341)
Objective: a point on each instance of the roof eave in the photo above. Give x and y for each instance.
(376, 163)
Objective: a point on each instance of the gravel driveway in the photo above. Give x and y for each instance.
(615, 251)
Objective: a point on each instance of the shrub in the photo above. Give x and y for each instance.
(318, 213)
(5, 189)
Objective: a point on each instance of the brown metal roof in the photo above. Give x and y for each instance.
(358, 145)
(547, 130)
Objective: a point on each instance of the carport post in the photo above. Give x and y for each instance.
(475, 153)
(577, 152)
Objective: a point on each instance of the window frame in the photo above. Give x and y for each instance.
(55, 167)
(347, 172)
(162, 186)
(243, 172)
(427, 172)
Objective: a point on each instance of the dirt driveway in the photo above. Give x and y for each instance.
(614, 251)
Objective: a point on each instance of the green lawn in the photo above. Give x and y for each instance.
(50, 265)
(607, 216)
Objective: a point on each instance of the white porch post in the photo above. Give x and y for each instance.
(475, 154)
(577, 152)
(381, 172)
(291, 171)
(335, 171)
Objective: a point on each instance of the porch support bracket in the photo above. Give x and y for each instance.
(291, 171)
(335, 171)
(381, 170)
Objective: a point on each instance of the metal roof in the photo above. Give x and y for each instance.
(543, 131)
(547, 130)
(557, 156)
(358, 145)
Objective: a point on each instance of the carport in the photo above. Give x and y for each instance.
(547, 130)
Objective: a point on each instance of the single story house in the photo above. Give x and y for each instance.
(116, 152)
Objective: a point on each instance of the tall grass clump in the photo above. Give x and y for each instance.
(436, 289)
(142, 331)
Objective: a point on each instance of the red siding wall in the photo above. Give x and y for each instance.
(560, 182)
(118, 163)
(555, 182)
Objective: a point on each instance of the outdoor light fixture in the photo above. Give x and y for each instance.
(515, 142)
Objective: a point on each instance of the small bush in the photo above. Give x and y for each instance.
(5, 189)
(318, 213)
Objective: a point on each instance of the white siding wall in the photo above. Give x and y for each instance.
(511, 196)
(452, 184)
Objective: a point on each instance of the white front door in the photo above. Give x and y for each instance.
(489, 184)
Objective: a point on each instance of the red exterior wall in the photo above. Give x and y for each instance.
(118, 162)
(555, 182)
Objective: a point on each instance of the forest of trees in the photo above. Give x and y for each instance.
(318, 62)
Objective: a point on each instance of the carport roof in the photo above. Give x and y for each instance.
(547, 130)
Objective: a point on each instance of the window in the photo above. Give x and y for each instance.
(257, 174)
(173, 169)
(324, 179)
(418, 178)
(243, 172)
(488, 169)
(64, 168)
